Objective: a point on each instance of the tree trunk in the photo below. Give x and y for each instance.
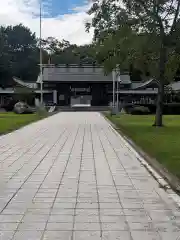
(159, 106)
(160, 96)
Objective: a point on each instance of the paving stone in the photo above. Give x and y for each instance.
(116, 235)
(43, 200)
(139, 218)
(87, 218)
(86, 226)
(115, 226)
(112, 219)
(64, 205)
(41, 205)
(132, 205)
(8, 227)
(46, 194)
(142, 226)
(65, 200)
(135, 212)
(86, 200)
(43, 211)
(10, 218)
(36, 226)
(136, 235)
(65, 211)
(35, 217)
(57, 235)
(13, 211)
(61, 218)
(59, 226)
(166, 226)
(87, 195)
(87, 212)
(28, 235)
(88, 235)
(71, 176)
(112, 212)
(170, 235)
(6, 235)
(108, 200)
(87, 205)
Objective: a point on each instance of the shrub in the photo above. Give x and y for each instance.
(9, 106)
(140, 110)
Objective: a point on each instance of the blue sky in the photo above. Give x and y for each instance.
(61, 7)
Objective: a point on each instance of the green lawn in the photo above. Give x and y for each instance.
(11, 121)
(160, 143)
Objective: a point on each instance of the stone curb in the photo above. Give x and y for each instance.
(166, 180)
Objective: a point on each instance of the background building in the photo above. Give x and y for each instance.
(66, 85)
(87, 84)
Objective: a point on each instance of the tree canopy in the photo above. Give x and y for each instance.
(65, 53)
(141, 33)
(18, 54)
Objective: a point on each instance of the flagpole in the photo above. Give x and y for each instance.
(117, 94)
(118, 78)
(40, 46)
(118, 86)
(113, 76)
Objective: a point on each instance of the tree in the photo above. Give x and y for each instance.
(19, 54)
(85, 54)
(5, 63)
(53, 45)
(152, 37)
(62, 52)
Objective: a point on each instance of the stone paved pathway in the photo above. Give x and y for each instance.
(70, 177)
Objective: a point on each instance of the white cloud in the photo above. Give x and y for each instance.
(70, 27)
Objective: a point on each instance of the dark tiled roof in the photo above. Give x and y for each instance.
(72, 74)
(144, 85)
(25, 84)
(175, 86)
